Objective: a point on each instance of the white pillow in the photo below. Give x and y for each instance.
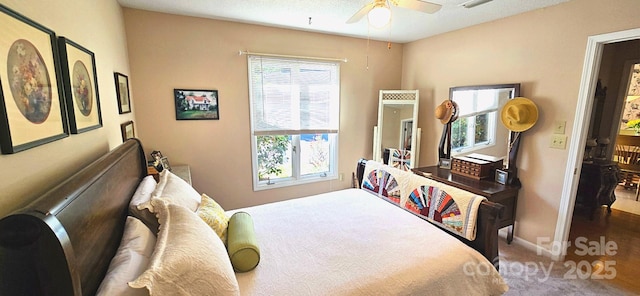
(131, 259)
(173, 189)
(144, 190)
(189, 258)
(141, 196)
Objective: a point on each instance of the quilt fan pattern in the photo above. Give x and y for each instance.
(448, 206)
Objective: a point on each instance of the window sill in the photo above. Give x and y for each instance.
(263, 186)
(470, 150)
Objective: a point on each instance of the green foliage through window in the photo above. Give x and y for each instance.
(272, 153)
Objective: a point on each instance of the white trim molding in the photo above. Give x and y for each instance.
(595, 45)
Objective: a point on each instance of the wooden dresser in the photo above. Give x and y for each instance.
(506, 195)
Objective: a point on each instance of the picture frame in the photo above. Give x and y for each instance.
(32, 109)
(196, 104)
(122, 92)
(502, 176)
(156, 155)
(165, 163)
(445, 163)
(80, 82)
(128, 131)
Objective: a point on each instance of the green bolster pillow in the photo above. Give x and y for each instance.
(241, 242)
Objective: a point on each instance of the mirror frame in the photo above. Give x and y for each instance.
(397, 97)
(516, 93)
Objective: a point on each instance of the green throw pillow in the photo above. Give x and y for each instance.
(241, 243)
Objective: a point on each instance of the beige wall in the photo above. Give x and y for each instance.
(99, 27)
(544, 51)
(169, 51)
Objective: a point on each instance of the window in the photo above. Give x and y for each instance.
(476, 124)
(294, 120)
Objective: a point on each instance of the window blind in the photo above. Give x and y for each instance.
(291, 96)
(474, 102)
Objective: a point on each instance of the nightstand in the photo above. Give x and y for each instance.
(182, 171)
(153, 172)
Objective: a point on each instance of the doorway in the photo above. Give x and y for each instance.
(603, 226)
(627, 132)
(593, 56)
(406, 130)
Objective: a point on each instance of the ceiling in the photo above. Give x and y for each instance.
(330, 16)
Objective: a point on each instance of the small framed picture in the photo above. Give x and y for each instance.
(502, 176)
(127, 130)
(122, 92)
(165, 163)
(156, 155)
(445, 163)
(196, 104)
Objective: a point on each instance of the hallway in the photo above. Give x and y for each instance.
(619, 227)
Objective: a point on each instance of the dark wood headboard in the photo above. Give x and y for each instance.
(63, 242)
(488, 219)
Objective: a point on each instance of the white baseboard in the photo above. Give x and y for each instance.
(502, 233)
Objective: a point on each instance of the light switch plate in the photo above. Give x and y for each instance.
(558, 141)
(558, 127)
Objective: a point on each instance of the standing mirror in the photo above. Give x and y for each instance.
(396, 138)
(478, 128)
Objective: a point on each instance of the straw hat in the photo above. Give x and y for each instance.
(447, 111)
(519, 114)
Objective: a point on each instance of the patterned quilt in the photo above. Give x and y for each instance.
(448, 206)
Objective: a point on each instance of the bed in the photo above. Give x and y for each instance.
(63, 242)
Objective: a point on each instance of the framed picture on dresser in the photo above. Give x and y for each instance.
(502, 176)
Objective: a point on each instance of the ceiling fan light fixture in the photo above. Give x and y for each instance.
(379, 16)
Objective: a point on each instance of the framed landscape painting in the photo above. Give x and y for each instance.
(80, 86)
(32, 109)
(192, 104)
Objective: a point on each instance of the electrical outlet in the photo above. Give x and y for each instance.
(340, 177)
(558, 127)
(558, 141)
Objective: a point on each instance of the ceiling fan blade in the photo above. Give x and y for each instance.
(418, 5)
(361, 13)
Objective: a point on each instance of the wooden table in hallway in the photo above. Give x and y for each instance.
(598, 180)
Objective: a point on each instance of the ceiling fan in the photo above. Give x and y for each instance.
(379, 12)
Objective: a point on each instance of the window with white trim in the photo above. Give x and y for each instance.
(294, 120)
(477, 119)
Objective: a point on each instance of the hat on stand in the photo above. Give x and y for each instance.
(447, 111)
(519, 114)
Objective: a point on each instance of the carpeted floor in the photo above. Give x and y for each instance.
(530, 274)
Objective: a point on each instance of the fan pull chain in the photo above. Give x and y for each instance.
(390, 26)
(368, 32)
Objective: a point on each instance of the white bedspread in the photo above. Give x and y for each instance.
(350, 242)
